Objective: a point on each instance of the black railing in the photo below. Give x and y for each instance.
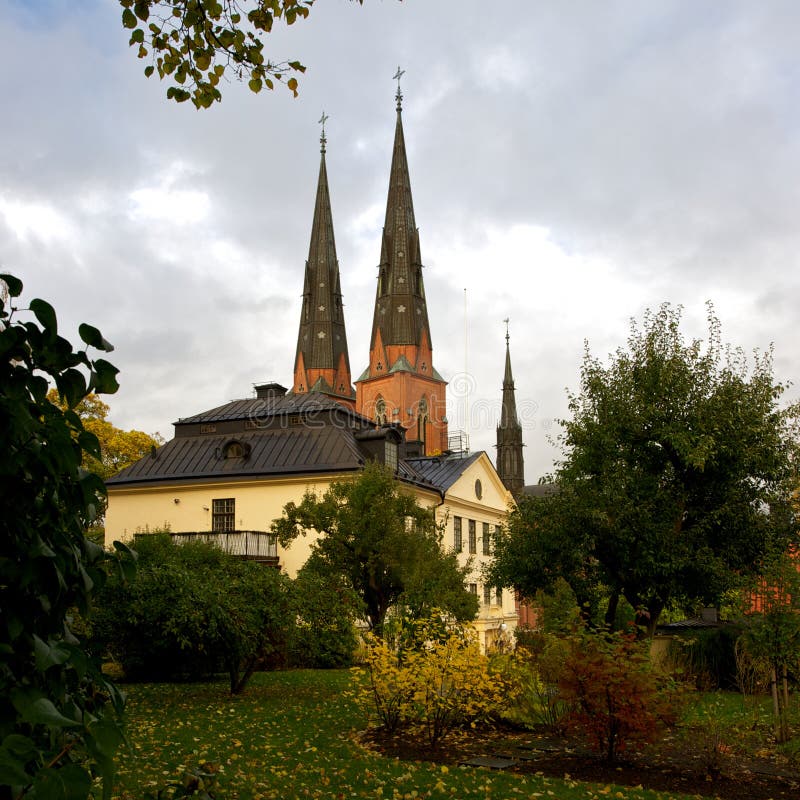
(253, 545)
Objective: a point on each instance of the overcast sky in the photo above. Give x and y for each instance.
(572, 163)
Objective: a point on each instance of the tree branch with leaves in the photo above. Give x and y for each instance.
(196, 43)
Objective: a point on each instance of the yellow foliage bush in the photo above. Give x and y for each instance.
(434, 685)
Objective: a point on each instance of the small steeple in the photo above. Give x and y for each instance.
(510, 464)
(322, 362)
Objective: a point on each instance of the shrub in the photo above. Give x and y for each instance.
(324, 636)
(708, 658)
(616, 697)
(192, 611)
(535, 675)
(434, 685)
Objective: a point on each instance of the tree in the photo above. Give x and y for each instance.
(59, 723)
(118, 448)
(195, 43)
(773, 630)
(675, 479)
(193, 611)
(374, 535)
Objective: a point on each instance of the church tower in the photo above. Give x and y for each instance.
(322, 363)
(510, 466)
(400, 385)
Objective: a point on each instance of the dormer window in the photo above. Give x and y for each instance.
(235, 449)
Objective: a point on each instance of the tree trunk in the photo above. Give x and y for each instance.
(776, 706)
(611, 611)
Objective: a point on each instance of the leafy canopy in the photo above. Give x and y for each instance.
(387, 548)
(196, 43)
(58, 713)
(678, 463)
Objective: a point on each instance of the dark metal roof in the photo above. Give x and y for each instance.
(443, 471)
(257, 408)
(320, 436)
(272, 452)
(540, 489)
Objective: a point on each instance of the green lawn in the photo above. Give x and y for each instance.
(291, 736)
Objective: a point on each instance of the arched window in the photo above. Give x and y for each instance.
(422, 419)
(380, 411)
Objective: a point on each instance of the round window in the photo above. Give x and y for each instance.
(478, 489)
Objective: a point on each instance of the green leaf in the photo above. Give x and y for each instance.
(35, 708)
(12, 769)
(148, 71)
(104, 377)
(107, 736)
(14, 284)
(94, 338)
(137, 37)
(72, 386)
(142, 10)
(255, 85)
(128, 19)
(46, 314)
(48, 656)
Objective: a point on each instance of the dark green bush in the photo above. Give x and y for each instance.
(324, 636)
(708, 657)
(193, 611)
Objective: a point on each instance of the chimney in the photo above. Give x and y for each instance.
(265, 391)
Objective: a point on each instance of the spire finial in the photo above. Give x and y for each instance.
(506, 320)
(399, 96)
(322, 140)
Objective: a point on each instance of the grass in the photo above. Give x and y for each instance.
(292, 735)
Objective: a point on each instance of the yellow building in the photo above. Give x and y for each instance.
(228, 472)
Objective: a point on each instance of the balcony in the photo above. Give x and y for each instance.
(258, 546)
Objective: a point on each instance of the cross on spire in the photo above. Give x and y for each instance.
(399, 96)
(322, 140)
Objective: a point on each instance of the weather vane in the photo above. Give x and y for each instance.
(322, 140)
(506, 322)
(399, 74)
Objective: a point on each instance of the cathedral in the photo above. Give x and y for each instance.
(228, 472)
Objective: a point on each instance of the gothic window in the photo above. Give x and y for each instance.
(380, 411)
(223, 515)
(422, 419)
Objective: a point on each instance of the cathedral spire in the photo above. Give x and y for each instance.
(322, 363)
(400, 376)
(401, 314)
(510, 465)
